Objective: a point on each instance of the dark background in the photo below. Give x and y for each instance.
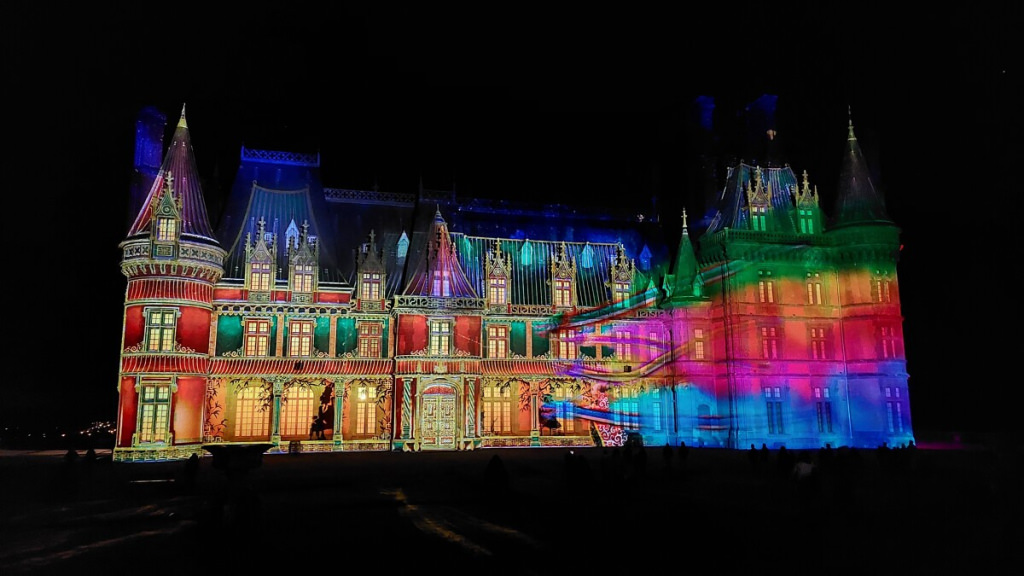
(560, 105)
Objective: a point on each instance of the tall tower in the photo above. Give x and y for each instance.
(172, 261)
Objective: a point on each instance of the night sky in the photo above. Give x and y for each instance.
(555, 105)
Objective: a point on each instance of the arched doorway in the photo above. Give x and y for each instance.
(438, 417)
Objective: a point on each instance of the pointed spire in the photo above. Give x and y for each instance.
(179, 160)
(439, 273)
(857, 201)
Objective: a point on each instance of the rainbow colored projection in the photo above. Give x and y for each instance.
(330, 320)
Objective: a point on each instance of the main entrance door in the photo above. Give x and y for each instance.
(437, 418)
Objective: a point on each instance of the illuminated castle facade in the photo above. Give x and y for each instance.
(323, 319)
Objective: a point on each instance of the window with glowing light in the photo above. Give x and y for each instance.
(496, 290)
(370, 286)
(370, 339)
(699, 343)
(880, 290)
(497, 341)
(166, 229)
(440, 337)
(773, 405)
(259, 276)
(766, 289)
(813, 288)
(300, 338)
(366, 410)
(757, 218)
(302, 278)
(806, 218)
(564, 412)
(623, 348)
(620, 291)
(818, 343)
(888, 342)
(563, 292)
(298, 407)
(565, 344)
(769, 343)
(154, 412)
(442, 284)
(252, 419)
(257, 336)
(496, 410)
(161, 327)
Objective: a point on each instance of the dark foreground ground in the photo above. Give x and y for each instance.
(930, 511)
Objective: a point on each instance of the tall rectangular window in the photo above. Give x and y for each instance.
(757, 218)
(497, 341)
(366, 410)
(166, 229)
(773, 405)
(623, 349)
(251, 415)
(823, 407)
(563, 292)
(698, 344)
(442, 284)
(818, 341)
(298, 408)
(656, 413)
(881, 290)
(161, 326)
(257, 336)
(154, 412)
(300, 338)
(813, 288)
(806, 218)
(653, 350)
(496, 410)
(888, 342)
(369, 339)
(259, 276)
(769, 343)
(496, 290)
(894, 409)
(564, 409)
(370, 289)
(565, 344)
(302, 281)
(620, 291)
(440, 337)
(766, 291)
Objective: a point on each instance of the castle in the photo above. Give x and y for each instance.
(330, 320)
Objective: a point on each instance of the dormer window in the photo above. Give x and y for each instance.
(302, 278)
(259, 276)
(757, 218)
(563, 293)
(620, 291)
(442, 284)
(370, 286)
(166, 229)
(806, 218)
(496, 290)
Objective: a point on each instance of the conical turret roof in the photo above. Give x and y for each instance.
(179, 166)
(857, 201)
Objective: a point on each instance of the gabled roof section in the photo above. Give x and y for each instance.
(731, 207)
(439, 261)
(857, 201)
(179, 164)
(284, 190)
(685, 282)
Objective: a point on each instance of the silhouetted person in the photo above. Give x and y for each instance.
(684, 452)
(666, 457)
(314, 428)
(753, 457)
(495, 475)
(191, 471)
(784, 462)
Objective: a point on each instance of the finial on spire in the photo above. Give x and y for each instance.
(181, 121)
(684, 218)
(849, 114)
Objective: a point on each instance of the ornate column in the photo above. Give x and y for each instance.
(406, 408)
(471, 408)
(277, 388)
(534, 414)
(339, 410)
